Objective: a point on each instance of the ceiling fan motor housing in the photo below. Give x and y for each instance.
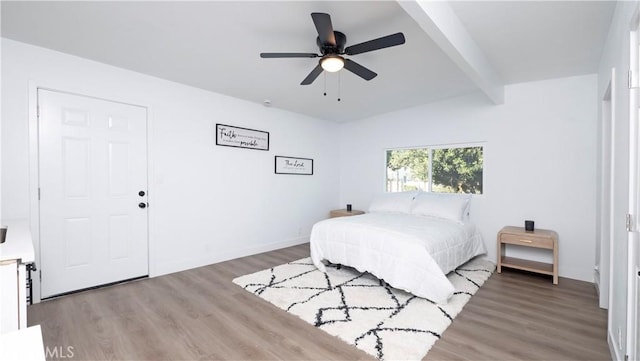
(341, 40)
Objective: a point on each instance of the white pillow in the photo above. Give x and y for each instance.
(441, 205)
(396, 202)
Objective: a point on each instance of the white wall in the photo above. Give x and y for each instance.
(539, 149)
(0, 126)
(207, 203)
(616, 56)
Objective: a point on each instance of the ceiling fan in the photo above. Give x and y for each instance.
(331, 44)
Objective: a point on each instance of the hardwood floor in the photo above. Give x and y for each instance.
(201, 315)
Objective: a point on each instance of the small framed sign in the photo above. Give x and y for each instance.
(230, 136)
(293, 165)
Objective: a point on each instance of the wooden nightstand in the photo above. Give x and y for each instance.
(344, 213)
(540, 238)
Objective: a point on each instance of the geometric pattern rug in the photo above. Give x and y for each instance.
(360, 309)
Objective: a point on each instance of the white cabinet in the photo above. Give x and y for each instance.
(15, 253)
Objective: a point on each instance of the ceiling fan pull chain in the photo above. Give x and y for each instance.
(325, 83)
(339, 86)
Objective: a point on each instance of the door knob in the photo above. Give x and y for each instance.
(142, 205)
(141, 193)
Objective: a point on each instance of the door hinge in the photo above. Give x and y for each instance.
(628, 222)
(38, 193)
(40, 274)
(38, 111)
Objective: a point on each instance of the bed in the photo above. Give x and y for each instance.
(409, 239)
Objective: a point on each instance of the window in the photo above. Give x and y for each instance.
(435, 169)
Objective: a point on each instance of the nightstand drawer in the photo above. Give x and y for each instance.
(527, 240)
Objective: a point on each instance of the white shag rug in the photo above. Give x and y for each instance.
(362, 310)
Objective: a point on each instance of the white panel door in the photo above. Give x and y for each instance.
(93, 170)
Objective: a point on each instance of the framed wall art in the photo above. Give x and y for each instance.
(293, 165)
(230, 136)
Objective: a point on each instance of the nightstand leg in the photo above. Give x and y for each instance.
(500, 255)
(555, 262)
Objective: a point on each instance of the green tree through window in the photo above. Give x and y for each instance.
(443, 170)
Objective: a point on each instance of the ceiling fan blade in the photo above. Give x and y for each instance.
(312, 76)
(288, 55)
(375, 44)
(324, 28)
(359, 70)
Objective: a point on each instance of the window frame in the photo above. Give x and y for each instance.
(482, 144)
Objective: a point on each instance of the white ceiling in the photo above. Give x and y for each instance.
(215, 45)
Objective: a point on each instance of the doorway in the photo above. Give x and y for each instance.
(92, 190)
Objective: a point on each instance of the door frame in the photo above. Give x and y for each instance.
(633, 237)
(34, 162)
(605, 194)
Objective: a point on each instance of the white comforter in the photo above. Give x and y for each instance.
(410, 252)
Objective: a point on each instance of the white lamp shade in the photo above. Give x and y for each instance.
(332, 63)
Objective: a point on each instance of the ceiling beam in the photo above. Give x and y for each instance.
(444, 27)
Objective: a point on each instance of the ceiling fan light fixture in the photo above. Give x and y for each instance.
(332, 63)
